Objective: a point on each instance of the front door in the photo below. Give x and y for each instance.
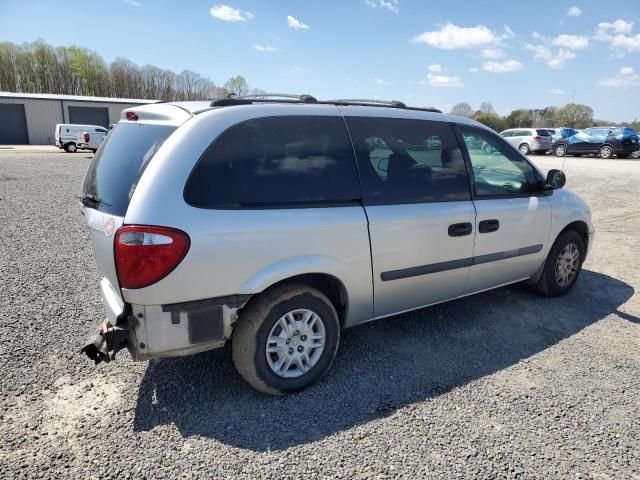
(418, 203)
(513, 217)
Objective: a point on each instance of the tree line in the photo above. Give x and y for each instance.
(38, 67)
(573, 115)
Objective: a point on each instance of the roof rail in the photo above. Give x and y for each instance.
(234, 99)
(363, 101)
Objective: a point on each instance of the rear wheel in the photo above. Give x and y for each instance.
(562, 266)
(605, 151)
(286, 339)
(71, 147)
(636, 154)
(524, 149)
(560, 151)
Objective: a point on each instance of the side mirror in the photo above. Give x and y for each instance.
(383, 164)
(556, 179)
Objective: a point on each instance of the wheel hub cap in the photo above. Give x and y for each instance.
(567, 264)
(295, 343)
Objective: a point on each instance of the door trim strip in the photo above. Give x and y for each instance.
(455, 264)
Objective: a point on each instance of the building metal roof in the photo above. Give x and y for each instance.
(72, 98)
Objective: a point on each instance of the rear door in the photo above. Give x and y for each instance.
(416, 195)
(110, 182)
(513, 218)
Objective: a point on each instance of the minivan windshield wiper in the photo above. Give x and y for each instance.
(90, 201)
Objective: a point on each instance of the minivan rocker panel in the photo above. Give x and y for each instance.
(463, 221)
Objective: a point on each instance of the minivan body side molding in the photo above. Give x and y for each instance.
(461, 263)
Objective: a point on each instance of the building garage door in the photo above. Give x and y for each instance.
(13, 124)
(89, 116)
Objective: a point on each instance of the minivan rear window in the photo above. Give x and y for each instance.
(277, 162)
(119, 163)
(543, 133)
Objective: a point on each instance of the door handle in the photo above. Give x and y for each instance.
(460, 229)
(488, 226)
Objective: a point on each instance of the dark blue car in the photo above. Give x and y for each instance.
(601, 141)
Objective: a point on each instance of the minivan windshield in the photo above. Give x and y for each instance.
(118, 165)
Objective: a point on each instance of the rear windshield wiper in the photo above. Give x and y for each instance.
(91, 201)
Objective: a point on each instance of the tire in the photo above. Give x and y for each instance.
(549, 283)
(262, 318)
(636, 154)
(524, 149)
(71, 147)
(560, 151)
(605, 151)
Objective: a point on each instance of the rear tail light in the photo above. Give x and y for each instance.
(87, 138)
(132, 116)
(145, 255)
(537, 137)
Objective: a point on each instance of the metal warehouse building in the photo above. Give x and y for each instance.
(30, 118)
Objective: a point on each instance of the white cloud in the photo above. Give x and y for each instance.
(133, 3)
(555, 60)
(619, 36)
(450, 36)
(508, 33)
(572, 42)
(537, 36)
(435, 68)
(265, 48)
(230, 14)
(502, 67)
(492, 53)
(296, 24)
(556, 91)
(379, 81)
(625, 78)
(391, 5)
(452, 81)
(574, 12)
(473, 69)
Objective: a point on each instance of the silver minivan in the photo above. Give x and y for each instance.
(527, 140)
(273, 223)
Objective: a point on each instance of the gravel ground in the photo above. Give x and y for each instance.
(503, 384)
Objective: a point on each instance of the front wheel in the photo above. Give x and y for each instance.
(562, 266)
(286, 339)
(560, 151)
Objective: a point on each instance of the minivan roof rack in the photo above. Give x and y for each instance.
(233, 99)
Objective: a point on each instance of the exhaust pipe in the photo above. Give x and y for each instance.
(103, 346)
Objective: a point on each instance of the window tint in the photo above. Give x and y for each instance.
(408, 161)
(507, 134)
(497, 168)
(276, 161)
(119, 163)
(544, 133)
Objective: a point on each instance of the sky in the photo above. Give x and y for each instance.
(512, 53)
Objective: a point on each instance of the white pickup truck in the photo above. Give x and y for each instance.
(90, 140)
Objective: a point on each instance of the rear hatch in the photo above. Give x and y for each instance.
(110, 182)
(546, 136)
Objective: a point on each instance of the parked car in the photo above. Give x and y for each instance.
(558, 133)
(66, 135)
(602, 141)
(274, 223)
(90, 140)
(527, 140)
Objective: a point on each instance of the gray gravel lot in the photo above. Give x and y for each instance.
(502, 384)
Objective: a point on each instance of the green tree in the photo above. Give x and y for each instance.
(576, 115)
(237, 85)
(493, 121)
(520, 118)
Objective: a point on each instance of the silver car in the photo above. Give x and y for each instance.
(273, 223)
(527, 140)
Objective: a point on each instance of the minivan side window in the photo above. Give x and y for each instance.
(497, 168)
(408, 161)
(277, 161)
